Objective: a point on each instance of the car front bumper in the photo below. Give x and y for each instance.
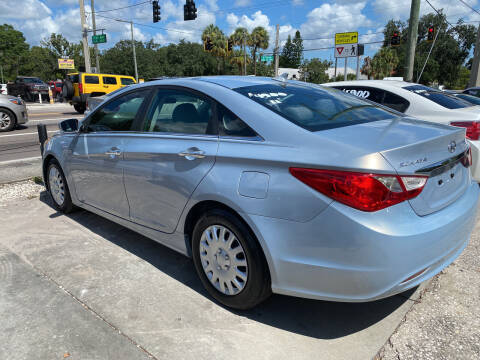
(21, 113)
(348, 255)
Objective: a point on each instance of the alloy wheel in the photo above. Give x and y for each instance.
(57, 187)
(223, 260)
(5, 120)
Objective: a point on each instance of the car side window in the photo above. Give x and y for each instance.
(372, 94)
(181, 112)
(231, 125)
(118, 114)
(91, 79)
(395, 102)
(109, 80)
(127, 81)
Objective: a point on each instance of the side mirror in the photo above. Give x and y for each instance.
(69, 125)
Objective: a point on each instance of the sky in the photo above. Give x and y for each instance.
(317, 20)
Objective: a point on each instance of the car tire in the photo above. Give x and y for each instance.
(238, 261)
(79, 108)
(7, 120)
(67, 90)
(58, 188)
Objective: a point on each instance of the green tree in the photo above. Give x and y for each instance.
(367, 68)
(297, 49)
(239, 38)
(12, 48)
(258, 40)
(238, 59)
(314, 70)
(384, 63)
(286, 57)
(218, 40)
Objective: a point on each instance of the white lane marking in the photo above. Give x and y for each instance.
(19, 160)
(22, 134)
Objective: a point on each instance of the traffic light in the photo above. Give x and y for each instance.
(395, 41)
(156, 11)
(207, 44)
(189, 11)
(431, 33)
(229, 46)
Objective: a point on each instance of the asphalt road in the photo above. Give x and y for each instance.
(22, 143)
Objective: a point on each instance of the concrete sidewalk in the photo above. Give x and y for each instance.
(96, 280)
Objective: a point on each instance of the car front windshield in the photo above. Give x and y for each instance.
(314, 108)
(439, 97)
(33, 81)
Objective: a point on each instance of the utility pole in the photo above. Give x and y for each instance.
(97, 63)
(244, 55)
(475, 72)
(134, 53)
(412, 39)
(276, 50)
(345, 71)
(335, 73)
(86, 50)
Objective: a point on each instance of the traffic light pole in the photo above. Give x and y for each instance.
(86, 50)
(134, 52)
(475, 72)
(97, 62)
(412, 39)
(276, 50)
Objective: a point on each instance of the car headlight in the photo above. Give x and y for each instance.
(16, 101)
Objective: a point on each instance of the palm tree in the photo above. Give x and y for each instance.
(238, 59)
(218, 42)
(384, 63)
(258, 40)
(239, 38)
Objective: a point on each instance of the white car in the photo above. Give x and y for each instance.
(422, 102)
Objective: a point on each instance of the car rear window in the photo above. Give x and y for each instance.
(90, 79)
(127, 81)
(470, 98)
(438, 97)
(314, 108)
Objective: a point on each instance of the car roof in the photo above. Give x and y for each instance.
(233, 82)
(383, 84)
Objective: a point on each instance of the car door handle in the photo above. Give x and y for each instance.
(192, 154)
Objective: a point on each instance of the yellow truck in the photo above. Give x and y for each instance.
(78, 87)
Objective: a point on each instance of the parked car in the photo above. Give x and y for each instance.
(29, 88)
(78, 87)
(13, 112)
(56, 87)
(470, 98)
(475, 91)
(272, 186)
(424, 103)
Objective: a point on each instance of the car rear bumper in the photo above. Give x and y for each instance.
(348, 255)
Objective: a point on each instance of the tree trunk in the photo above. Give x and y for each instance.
(254, 61)
(218, 65)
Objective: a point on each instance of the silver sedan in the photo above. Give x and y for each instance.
(272, 185)
(13, 112)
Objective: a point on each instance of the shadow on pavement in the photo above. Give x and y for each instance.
(312, 318)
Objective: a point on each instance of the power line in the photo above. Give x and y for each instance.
(439, 13)
(471, 8)
(121, 8)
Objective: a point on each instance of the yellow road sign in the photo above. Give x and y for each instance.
(346, 38)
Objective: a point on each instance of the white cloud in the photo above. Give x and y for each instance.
(23, 10)
(241, 3)
(297, 2)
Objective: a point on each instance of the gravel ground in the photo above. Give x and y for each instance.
(445, 322)
(19, 190)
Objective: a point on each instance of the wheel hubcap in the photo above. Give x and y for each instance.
(223, 260)
(4, 120)
(57, 187)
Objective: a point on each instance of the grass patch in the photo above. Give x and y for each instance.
(38, 180)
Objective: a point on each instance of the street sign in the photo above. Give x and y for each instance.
(346, 38)
(66, 64)
(347, 50)
(266, 58)
(99, 39)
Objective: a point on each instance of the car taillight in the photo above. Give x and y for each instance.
(80, 88)
(362, 191)
(473, 128)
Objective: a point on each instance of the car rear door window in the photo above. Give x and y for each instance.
(180, 112)
(91, 79)
(231, 125)
(119, 113)
(109, 80)
(364, 92)
(438, 97)
(395, 102)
